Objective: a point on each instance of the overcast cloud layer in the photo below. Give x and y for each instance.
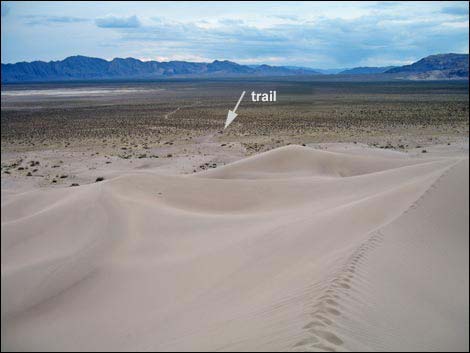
(320, 35)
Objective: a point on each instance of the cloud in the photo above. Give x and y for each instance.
(66, 19)
(323, 42)
(300, 34)
(230, 22)
(43, 20)
(385, 4)
(456, 10)
(287, 17)
(118, 22)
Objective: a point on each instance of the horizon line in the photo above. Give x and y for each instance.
(219, 60)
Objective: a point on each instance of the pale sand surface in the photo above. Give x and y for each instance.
(335, 248)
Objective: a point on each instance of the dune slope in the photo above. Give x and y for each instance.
(293, 249)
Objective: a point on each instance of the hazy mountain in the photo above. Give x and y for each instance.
(86, 68)
(329, 71)
(440, 66)
(298, 69)
(366, 70)
(319, 71)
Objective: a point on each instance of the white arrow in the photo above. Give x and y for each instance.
(231, 114)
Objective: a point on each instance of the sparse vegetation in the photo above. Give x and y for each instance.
(402, 116)
(314, 111)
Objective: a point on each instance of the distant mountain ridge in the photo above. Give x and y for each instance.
(320, 71)
(434, 67)
(366, 70)
(84, 68)
(439, 66)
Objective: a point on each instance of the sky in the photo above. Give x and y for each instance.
(309, 34)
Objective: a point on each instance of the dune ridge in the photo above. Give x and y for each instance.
(291, 249)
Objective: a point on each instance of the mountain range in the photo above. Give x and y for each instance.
(366, 70)
(87, 68)
(441, 66)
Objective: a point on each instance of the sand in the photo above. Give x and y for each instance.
(292, 249)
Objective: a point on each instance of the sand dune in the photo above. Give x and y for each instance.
(292, 249)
